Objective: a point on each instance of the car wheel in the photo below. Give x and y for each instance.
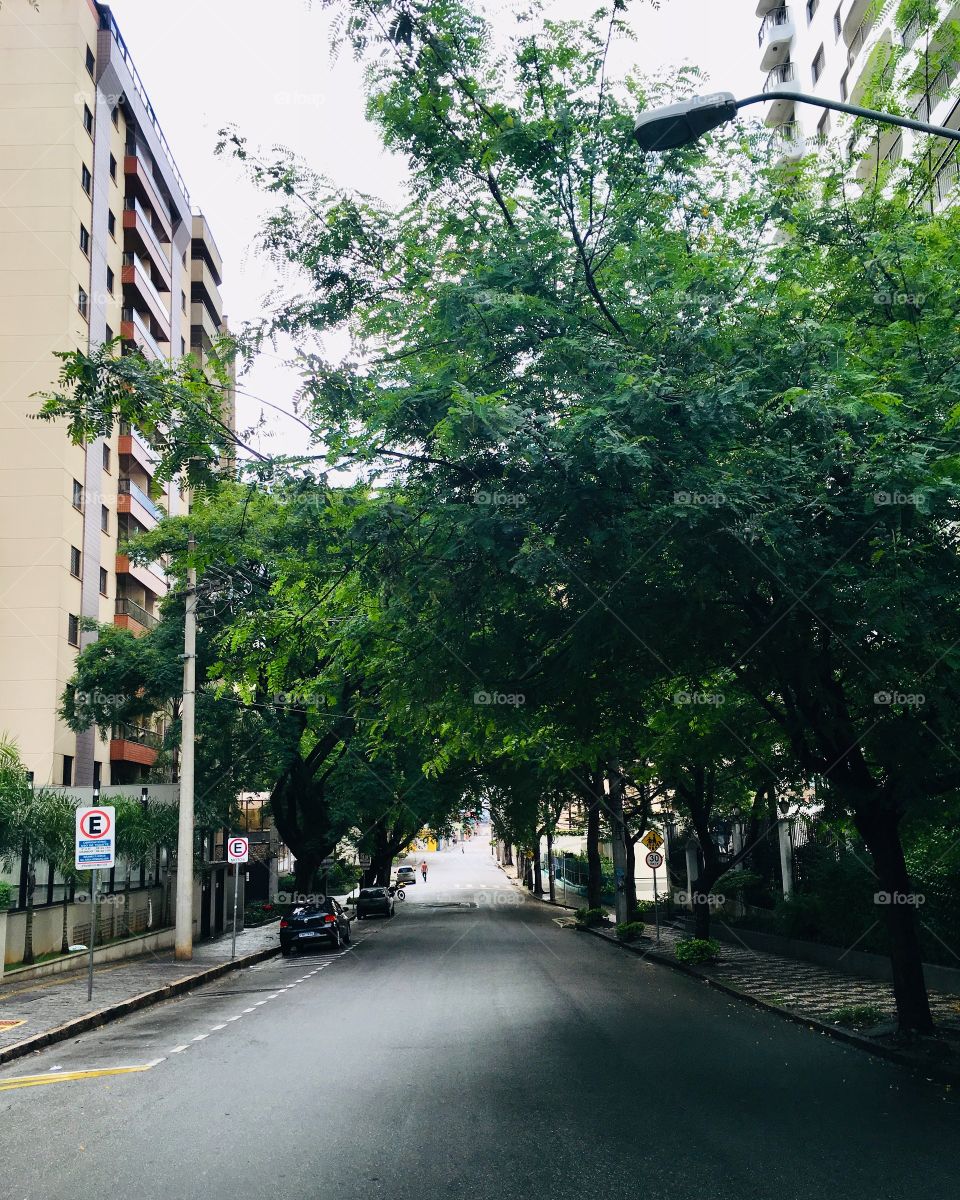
(337, 940)
(346, 936)
(286, 951)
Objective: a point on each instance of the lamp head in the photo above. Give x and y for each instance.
(680, 124)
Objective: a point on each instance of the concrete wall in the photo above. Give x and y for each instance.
(48, 922)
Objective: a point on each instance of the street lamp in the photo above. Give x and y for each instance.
(675, 125)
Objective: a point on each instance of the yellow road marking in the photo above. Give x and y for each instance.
(25, 1081)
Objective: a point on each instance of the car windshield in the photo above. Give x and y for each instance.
(372, 894)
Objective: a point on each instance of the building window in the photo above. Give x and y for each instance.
(103, 581)
(73, 629)
(812, 6)
(85, 240)
(113, 168)
(78, 495)
(104, 518)
(96, 774)
(106, 459)
(183, 301)
(823, 127)
(109, 334)
(67, 777)
(183, 347)
(83, 303)
(86, 179)
(112, 225)
(88, 120)
(837, 24)
(75, 562)
(111, 279)
(819, 63)
(844, 90)
(91, 62)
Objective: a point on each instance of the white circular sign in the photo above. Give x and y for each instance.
(654, 860)
(238, 850)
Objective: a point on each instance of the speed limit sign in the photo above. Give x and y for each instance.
(654, 860)
(238, 850)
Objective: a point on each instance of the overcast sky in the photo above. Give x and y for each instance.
(267, 69)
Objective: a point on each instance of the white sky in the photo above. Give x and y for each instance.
(266, 68)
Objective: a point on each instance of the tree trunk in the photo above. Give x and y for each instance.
(880, 831)
(551, 874)
(594, 865)
(631, 880)
(619, 842)
(28, 956)
(65, 928)
(304, 873)
(537, 869)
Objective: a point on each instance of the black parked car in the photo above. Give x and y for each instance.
(374, 901)
(314, 923)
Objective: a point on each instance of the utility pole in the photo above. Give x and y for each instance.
(184, 918)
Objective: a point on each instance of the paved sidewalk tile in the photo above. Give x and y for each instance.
(45, 1003)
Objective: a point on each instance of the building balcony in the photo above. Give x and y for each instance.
(150, 577)
(776, 36)
(134, 329)
(205, 247)
(141, 293)
(204, 289)
(874, 56)
(203, 329)
(135, 501)
(133, 744)
(134, 617)
(140, 182)
(781, 79)
(788, 144)
(858, 12)
(132, 445)
(141, 237)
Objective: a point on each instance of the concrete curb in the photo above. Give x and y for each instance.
(103, 1016)
(943, 1074)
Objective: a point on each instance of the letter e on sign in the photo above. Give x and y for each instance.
(238, 850)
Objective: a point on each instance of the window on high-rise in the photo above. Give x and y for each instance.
(88, 120)
(83, 303)
(77, 494)
(73, 629)
(75, 561)
(85, 240)
(823, 127)
(837, 23)
(104, 518)
(103, 581)
(86, 179)
(113, 168)
(111, 225)
(67, 777)
(91, 62)
(819, 62)
(844, 90)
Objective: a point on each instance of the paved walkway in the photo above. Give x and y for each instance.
(800, 987)
(41, 1004)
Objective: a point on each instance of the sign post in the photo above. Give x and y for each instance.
(94, 848)
(653, 860)
(238, 851)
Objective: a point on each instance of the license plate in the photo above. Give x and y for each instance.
(309, 933)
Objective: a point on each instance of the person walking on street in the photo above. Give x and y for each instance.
(423, 870)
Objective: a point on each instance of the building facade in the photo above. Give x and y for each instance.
(98, 241)
(846, 50)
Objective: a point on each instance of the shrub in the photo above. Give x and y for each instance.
(286, 883)
(5, 896)
(697, 950)
(260, 912)
(644, 911)
(857, 1016)
(627, 931)
(591, 916)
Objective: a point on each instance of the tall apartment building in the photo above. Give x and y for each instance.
(839, 48)
(97, 240)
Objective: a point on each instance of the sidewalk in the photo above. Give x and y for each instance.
(800, 989)
(37, 1008)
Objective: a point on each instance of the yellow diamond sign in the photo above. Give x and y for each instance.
(652, 840)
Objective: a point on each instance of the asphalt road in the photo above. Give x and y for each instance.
(468, 1048)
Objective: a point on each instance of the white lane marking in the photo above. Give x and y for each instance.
(156, 1062)
(259, 1002)
(274, 996)
(246, 1010)
(201, 1036)
(236, 1018)
(214, 1028)
(179, 1049)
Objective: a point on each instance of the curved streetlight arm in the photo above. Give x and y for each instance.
(855, 110)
